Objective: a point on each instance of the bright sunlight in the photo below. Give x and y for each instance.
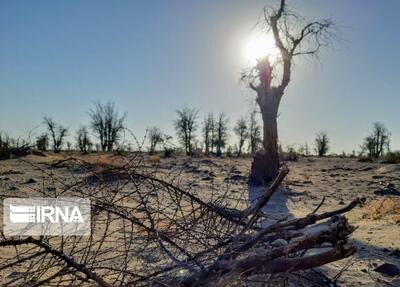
(259, 46)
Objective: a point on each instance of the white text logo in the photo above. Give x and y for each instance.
(47, 216)
(41, 214)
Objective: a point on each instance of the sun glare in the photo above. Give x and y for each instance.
(259, 46)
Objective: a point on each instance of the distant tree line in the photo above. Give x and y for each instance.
(210, 136)
(215, 133)
(105, 122)
(107, 125)
(375, 145)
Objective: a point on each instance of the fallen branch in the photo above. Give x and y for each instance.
(67, 259)
(334, 232)
(150, 231)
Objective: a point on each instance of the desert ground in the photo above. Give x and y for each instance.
(336, 180)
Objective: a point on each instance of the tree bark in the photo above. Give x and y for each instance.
(266, 161)
(265, 165)
(270, 133)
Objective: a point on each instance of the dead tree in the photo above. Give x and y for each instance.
(254, 133)
(241, 130)
(107, 124)
(293, 37)
(83, 140)
(321, 143)
(304, 150)
(155, 137)
(208, 133)
(377, 142)
(221, 133)
(42, 142)
(185, 127)
(57, 133)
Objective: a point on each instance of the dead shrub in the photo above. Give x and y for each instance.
(168, 152)
(365, 159)
(392, 157)
(10, 148)
(388, 208)
(289, 155)
(102, 163)
(154, 159)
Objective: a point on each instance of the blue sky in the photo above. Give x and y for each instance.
(151, 57)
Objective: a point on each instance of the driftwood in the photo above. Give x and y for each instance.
(150, 231)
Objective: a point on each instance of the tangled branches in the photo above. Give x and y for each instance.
(149, 231)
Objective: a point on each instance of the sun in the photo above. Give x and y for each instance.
(259, 46)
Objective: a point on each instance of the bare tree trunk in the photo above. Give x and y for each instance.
(240, 149)
(270, 139)
(266, 162)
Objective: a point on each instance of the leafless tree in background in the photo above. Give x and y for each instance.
(304, 150)
(378, 141)
(69, 146)
(155, 137)
(208, 133)
(321, 143)
(57, 133)
(254, 133)
(42, 142)
(83, 140)
(294, 37)
(221, 133)
(107, 123)
(185, 127)
(241, 130)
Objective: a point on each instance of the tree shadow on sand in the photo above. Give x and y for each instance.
(276, 208)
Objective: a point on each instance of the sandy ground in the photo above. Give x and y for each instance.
(309, 181)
